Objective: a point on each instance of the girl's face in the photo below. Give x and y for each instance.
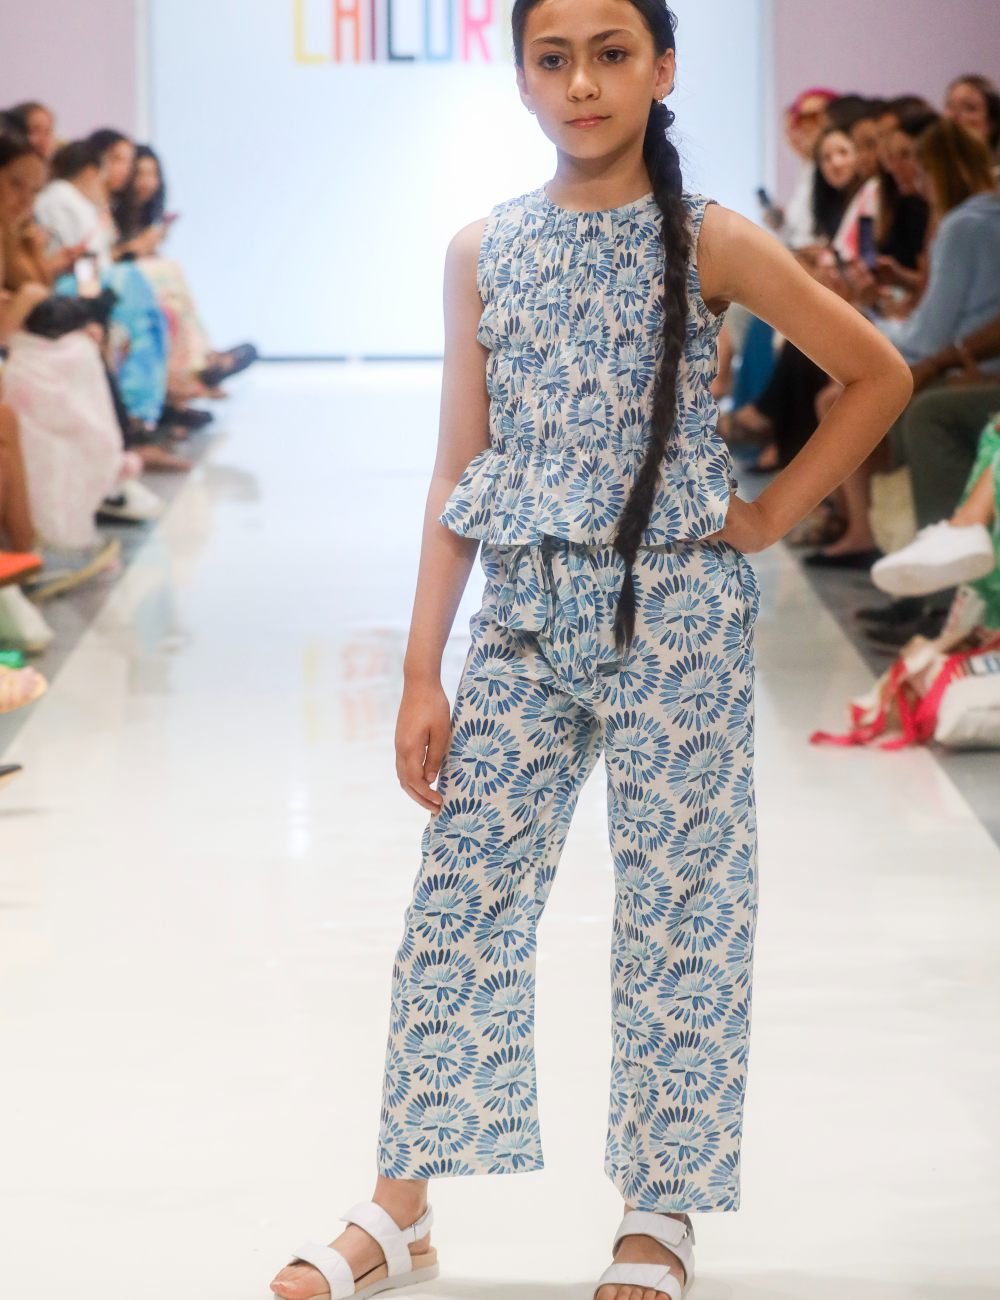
(146, 180)
(20, 183)
(117, 165)
(865, 138)
(902, 163)
(968, 108)
(571, 71)
(42, 133)
(838, 159)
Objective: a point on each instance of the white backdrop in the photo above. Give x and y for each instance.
(318, 197)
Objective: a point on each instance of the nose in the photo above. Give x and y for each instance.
(581, 87)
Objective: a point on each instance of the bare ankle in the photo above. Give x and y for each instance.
(406, 1197)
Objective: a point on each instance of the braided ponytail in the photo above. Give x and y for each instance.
(663, 164)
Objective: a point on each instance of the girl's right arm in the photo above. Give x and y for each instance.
(446, 559)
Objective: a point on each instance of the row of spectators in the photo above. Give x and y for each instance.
(896, 209)
(102, 353)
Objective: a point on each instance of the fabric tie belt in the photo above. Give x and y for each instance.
(565, 593)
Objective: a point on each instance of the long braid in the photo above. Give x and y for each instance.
(663, 164)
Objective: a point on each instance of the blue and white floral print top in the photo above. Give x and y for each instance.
(573, 319)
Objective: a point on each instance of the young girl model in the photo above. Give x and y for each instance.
(578, 444)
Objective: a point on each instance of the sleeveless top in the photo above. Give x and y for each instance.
(573, 319)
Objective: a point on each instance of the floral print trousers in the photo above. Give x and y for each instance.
(542, 694)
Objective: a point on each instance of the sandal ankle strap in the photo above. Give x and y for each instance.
(393, 1239)
(676, 1236)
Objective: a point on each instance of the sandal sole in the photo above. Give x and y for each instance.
(388, 1283)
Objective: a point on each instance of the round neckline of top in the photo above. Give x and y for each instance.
(596, 212)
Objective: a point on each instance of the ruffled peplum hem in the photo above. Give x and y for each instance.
(519, 498)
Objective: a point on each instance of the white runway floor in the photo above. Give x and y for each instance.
(203, 872)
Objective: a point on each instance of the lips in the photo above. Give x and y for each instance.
(587, 121)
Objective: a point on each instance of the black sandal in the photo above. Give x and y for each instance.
(235, 360)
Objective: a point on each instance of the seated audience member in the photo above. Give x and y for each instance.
(939, 433)
(962, 295)
(67, 211)
(938, 439)
(196, 369)
(74, 212)
(786, 411)
(38, 125)
(864, 132)
(903, 212)
(21, 625)
(964, 548)
(744, 336)
(69, 438)
(974, 102)
(806, 119)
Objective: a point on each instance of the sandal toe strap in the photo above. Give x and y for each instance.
(654, 1276)
(332, 1264)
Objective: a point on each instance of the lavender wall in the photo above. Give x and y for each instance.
(893, 47)
(78, 56)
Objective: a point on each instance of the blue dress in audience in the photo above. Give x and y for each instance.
(142, 374)
(963, 288)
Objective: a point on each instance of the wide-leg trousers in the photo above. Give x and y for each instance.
(542, 694)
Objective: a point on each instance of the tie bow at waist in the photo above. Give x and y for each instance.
(566, 593)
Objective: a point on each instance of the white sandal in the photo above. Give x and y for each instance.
(678, 1237)
(400, 1267)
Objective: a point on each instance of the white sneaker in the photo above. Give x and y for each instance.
(21, 624)
(132, 502)
(940, 556)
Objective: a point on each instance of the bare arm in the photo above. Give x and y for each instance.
(740, 262)
(14, 307)
(446, 558)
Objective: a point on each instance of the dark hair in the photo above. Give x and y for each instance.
(989, 92)
(663, 164)
(844, 111)
(106, 138)
(73, 158)
(903, 218)
(916, 122)
(21, 112)
(131, 216)
(828, 203)
(13, 146)
(907, 105)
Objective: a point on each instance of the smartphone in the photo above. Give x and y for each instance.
(88, 281)
(772, 215)
(867, 250)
